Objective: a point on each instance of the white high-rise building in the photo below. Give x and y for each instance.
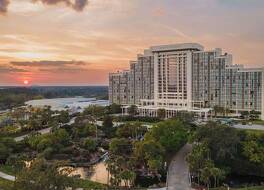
(184, 77)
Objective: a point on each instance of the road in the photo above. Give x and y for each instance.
(43, 131)
(6, 176)
(178, 175)
(253, 126)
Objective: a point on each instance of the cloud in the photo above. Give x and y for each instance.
(3, 6)
(7, 69)
(52, 66)
(63, 70)
(46, 63)
(77, 5)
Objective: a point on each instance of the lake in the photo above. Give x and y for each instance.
(75, 104)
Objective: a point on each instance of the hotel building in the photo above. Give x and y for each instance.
(185, 77)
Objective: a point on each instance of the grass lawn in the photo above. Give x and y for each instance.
(7, 169)
(6, 184)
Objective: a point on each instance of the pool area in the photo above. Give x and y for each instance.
(75, 104)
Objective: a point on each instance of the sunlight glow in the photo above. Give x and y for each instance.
(25, 82)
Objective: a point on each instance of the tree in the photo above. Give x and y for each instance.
(132, 110)
(222, 141)
(63, 117)
(108, 122)
(114, 108)
(161, 113)
(108, 126)
(217, 109)
(185, 117)
(44, 143)
(218, 174)
(85, 130)
(90, 144)
(206, 174)
(227, 111)
(128, 177)
(95, 111)
(4, 153)
(120, 163)
(131, 130)
(245, 114)
(253, 147)
(120, 146)
(7, 145)
(44, 176)
(150, 153)
(62, 136)
(18, 114)
(171, 134)
(197, 158)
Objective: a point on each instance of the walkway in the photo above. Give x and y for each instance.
(178, 175)
(6, 176)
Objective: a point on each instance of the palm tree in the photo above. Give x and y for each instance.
(215, 172)
(216, 109)
(206, 175)
(132, 110)
(161, 113)
(227, 111)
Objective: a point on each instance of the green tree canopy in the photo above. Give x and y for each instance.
(89, 144)
(133, 130)
(171, 134)
(120, 146)
(44, 176)
(149, 152)
(95, 111)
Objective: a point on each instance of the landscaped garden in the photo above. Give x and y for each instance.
(134, 155)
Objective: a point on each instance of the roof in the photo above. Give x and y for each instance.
(182, 46)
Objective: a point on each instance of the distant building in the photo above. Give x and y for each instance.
(184, 77)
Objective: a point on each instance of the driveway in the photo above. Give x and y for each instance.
(178, 174)
(253, 126)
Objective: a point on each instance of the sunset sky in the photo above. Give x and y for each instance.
(63, 42)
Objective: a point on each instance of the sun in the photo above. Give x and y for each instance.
(25, 82)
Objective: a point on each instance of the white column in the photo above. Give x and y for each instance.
(189, 80)
(156, 61)
(205, 116)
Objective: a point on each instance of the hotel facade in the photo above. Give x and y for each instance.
(185, 77)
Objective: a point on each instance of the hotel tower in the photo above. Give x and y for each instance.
(185, 77)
